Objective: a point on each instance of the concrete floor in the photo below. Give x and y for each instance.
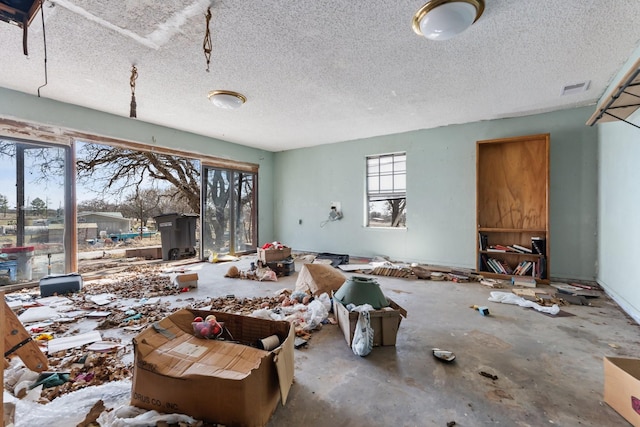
(549, 369)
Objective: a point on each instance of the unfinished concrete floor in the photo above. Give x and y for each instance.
(549, 369)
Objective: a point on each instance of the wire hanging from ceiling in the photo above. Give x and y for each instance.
(44, 37)
(132, 83)
(207, 45)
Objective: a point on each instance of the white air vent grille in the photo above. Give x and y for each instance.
(575, 88)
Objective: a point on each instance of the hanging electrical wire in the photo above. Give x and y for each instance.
(207, 45)
(44, 37)
(132, 83)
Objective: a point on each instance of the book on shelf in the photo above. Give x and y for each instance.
(542, 268)
(539, 245)
(505, 267)
(483, 241)
(495, 266)
(514, 249)
(522, 248)
(523, 268)
(494, 249)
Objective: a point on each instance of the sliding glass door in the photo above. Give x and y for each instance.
(229, 213)
(35, 193)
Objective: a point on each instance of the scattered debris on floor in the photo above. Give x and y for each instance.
(81, 359)
(484, 311)
(488, 375)
(444, 355)
(573, 290)
(131, 300)
(511, 298)
(493, 283)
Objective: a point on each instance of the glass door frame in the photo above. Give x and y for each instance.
(69, 211)
(204, 168)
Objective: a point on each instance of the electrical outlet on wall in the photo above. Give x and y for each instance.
(336, 205)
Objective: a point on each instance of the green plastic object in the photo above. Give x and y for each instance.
(361, 290)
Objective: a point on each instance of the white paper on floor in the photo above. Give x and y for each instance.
(64, 343)
(38, 314)
(70, 409)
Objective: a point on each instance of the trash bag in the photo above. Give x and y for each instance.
(362, 343)
(315, 314)
(325, 299)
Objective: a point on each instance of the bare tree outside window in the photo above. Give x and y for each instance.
(387, 190)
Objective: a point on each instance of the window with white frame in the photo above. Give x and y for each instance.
(387, 190)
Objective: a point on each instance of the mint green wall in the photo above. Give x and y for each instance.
(300, 184)
(441, 210)
(21, 106)
(619, 208)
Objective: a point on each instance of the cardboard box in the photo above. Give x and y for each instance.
(622, 387)
(385, 322)
(319, 278)
(269, 255)
(224, 382)
(187, 280)
(152, 252)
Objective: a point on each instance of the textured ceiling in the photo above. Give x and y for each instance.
(317, 72)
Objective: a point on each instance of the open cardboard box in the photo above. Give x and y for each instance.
(319, 278)
(229, 382)
(270, 255)
(385, 322)
(622, 387)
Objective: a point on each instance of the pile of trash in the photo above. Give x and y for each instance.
(304, 311)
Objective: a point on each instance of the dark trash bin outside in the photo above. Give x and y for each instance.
(178, 235)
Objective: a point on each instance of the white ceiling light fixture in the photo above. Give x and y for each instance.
(226, 99)
(445, 19)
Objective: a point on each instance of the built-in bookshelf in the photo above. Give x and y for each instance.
(512, 204)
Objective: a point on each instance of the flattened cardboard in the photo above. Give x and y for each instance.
(385, 322)
(622, 387)
(319, 278)
(226, 382)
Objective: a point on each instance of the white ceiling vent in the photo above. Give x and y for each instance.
(575, 88)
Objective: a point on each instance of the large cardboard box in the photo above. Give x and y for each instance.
(319, 278)
(269, 255)
(229, 382)
(622, 387)
(385, 322)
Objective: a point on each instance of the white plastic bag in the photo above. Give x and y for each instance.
(315, 314)
(325, 299)
(509, 298)
(362, 343)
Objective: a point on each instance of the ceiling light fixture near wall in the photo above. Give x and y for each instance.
(226, 99)
(445, 19)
